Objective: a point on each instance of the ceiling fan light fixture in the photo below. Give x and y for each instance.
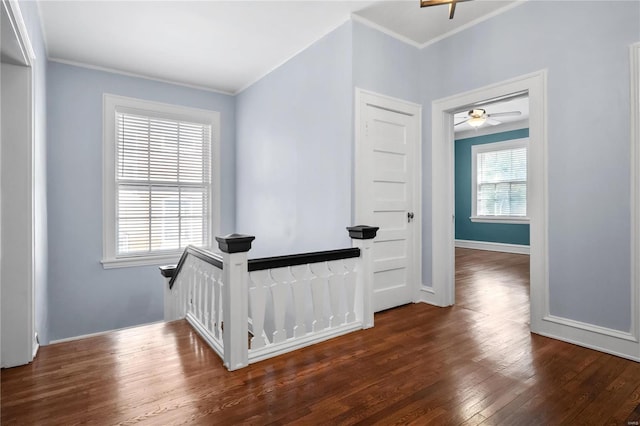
(476, 121)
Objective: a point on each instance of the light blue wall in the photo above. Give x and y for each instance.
(32, 21)
(295, 138)
(294, 151)
(294, 148)
(585, 48)
(83, 297)
(293, 156)
(384, 64)
(508, 233)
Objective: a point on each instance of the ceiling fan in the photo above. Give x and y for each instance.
(451, 3)
(477, 117)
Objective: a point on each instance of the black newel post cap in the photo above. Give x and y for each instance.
(168, 271)
(362, 232)
(235, 243)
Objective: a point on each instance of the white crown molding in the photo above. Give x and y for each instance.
(131, 74)
(13, 7)
(384, 30)
(473, 23)
(353, 17)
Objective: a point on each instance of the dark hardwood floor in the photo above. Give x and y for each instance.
(493, 283)
(475, 363)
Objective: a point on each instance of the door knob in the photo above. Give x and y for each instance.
(409, 216)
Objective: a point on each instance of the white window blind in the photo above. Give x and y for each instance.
(163, 184)
(501, 180)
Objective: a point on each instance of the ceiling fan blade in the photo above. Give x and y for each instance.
(452, 9)
(451, 3)
(504, 114)
(427, 3)
(461, 122)
(493, 122)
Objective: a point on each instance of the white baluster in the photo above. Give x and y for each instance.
(336, 284)
(279, 289)
(219, 313)
(198, 292)
(189, 295)
(299, 288)
(318, 284)
(206, 319)
(203, 293)
(175, 298)
(211, 325)
(258, 302)
(350, 288)
(196, 288)
(179, 285)
(182, 285)
(192, 293)
(169, 295)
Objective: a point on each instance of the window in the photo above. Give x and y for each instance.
(499, 182)
(160, 181)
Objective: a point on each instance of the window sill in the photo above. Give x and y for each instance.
(500, 219)
(127, 262)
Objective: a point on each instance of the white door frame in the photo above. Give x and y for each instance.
(19, 344)
(363, 191)
(634, 59)
(442, 174)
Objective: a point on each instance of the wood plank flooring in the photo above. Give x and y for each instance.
(475, 363)
(493, 283)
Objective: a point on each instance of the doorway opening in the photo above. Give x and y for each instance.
(443, 190)
(491, 222)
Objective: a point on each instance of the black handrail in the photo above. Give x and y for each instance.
(172, 271)
(207, 256)
(301, 259)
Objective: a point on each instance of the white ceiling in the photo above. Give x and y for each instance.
(224, 45)
(423, 25)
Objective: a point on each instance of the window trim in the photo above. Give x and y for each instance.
(488, 147)
(110, 104)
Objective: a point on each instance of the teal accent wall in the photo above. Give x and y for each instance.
(490, 232)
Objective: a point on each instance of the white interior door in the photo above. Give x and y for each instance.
(387, 194)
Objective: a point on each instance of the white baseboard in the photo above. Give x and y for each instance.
(483, 245)
(99, 333)
(601, 339)
(428, 295)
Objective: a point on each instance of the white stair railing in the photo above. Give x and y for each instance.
(194, 290)
(282, 303)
